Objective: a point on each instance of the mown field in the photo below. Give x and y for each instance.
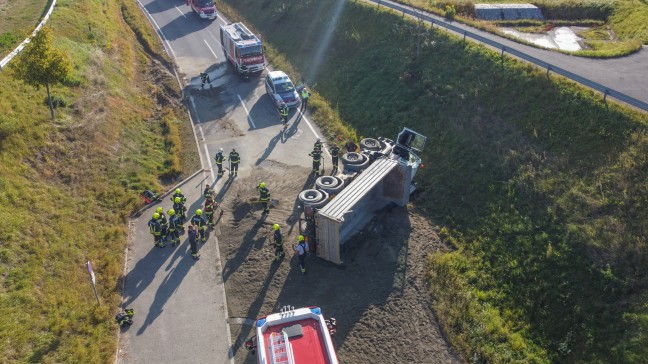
(618, 27)
(68, 186)
(539, 186)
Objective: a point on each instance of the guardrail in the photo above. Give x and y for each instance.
(549, 67)
(22, 45)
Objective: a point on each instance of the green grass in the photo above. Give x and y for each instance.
(627, 18)
(68, 187)
(542, 187)
(18, 18)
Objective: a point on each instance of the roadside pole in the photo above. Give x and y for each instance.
(93, 281)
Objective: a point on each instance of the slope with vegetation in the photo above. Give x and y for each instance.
(68, 186)
(18, 20)
(540, 187)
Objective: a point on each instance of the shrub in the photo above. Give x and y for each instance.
(450, 12)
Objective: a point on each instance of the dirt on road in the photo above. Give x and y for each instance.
(378, 296)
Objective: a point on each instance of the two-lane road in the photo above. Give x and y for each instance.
(180, 305)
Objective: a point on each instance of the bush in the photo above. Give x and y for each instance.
(57, 101)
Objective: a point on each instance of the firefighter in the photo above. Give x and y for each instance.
(317, 156)
(234, 159)
(219, 162)
(210, 207)
(351, 146)
(264, 197)
(156, 230)
(245, 72)
(302, 250)
(208, 193)
(335, 154)
(193, 236)
(305, 95)
(175, 225)
(125, 318)
(163, 222)
(178, 193)
(199, 222)
(283, 113)
(278, 242)
(318, 145)
(180, 208)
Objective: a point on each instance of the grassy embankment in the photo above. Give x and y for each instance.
(628, 20)
(68, 187)
(17, 20)
(540, 187)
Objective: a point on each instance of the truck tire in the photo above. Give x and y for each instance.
(355, 161)
(314, 198)
(370, 144)
(330, 184)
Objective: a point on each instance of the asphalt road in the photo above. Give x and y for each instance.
(628, 75)
(180, 304)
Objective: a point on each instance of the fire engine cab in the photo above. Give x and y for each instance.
(242, 47)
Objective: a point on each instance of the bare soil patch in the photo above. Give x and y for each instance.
(379, 296)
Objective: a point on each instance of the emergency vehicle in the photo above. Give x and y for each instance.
(204, 8)
(242, 47)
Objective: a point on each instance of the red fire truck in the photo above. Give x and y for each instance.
(242, 47)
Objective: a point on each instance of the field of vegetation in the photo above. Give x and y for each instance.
(19, 18)
(539, 186)
(626, 19)
(69, 185)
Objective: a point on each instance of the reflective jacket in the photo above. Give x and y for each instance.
(335, 151)
(198, 221)
(316, 155)
(234, 157)
(264, 194)
(154, 227)
(219, 158)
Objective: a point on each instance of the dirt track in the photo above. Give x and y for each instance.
(378, 298)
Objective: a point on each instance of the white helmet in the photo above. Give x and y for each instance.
(220, 150)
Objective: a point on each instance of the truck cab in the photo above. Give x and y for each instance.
(409, 145)
(204, 8)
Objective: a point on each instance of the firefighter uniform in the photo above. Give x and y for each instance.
(219, 162)
(156, 230)
(264, 197)
(193, 237)
(178, 193)
(180, 209)
(317, 156)
(210, 207)
(234, 162)
(174, 227)
(302, 250)
(163, 222)
(199, 222)
(208, 194)
(278, 242)
(318, 145)
(283, 112)
(335, 155)
(305, 95)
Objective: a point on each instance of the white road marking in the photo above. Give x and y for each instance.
(183, 14)
(312, 129)
(221, 18)
(211, 169)
(210, 48)
(247, 112)
(159, 30)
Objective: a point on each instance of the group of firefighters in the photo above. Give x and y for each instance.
(164, 229)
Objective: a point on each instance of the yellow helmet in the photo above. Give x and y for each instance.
(178, 200)
(301, 238)
(275, 226)
(171, 212)
(178, 191)
(159, 210)
(199, 212)
(156, 215)
(262, 184)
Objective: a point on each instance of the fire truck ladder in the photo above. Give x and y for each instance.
(280, 349)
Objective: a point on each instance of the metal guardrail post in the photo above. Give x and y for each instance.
(548, 70)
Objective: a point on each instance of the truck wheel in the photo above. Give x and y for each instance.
(330, 184)
(310, 197)
(370, 144)
(355, 161)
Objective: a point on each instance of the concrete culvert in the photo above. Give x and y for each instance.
(329, 184)
(370, 144)
(312, 197)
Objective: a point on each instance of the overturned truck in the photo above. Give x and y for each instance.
(341, 205)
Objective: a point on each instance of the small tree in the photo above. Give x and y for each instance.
(39, 64)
